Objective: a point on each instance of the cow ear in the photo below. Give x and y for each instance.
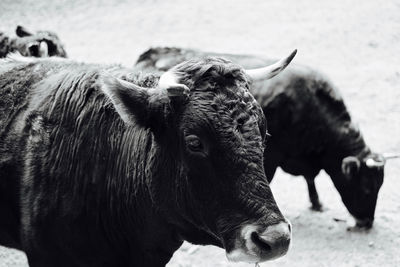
(22, 31)
(350, 166)
(135, 104)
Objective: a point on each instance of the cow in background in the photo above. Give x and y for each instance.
(102, 167)
(310, 126)
(39, 44)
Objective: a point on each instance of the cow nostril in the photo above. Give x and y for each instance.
(260, 243)
(289, 227)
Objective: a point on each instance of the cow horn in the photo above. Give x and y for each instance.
(270, 71)
(374, 163)
(43, 49)
(391, 155)
(169, 82)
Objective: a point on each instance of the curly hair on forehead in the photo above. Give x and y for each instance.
(225, 88)
(210, 73)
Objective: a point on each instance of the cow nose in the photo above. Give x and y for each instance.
(260, 244)
(274, 242)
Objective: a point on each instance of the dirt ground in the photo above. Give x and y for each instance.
(355, 42)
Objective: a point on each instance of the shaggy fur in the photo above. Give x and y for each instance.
(310, 126)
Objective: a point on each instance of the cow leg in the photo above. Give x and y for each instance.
(313, 194)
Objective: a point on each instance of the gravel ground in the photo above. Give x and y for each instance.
(356, 43)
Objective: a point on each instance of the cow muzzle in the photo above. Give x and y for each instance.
(258, 244)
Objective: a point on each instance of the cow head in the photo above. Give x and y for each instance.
(364, 179)
(205, 118)
(39, 44)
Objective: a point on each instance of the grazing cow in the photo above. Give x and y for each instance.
(39, 44)
(103, 167)
(311, 130)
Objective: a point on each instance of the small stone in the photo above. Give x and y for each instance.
(371, 244)
(373, 44)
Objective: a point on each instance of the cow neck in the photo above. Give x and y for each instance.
(137, 212)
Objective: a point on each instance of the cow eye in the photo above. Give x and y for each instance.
(193, 143)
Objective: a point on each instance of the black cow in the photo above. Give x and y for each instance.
(311, 130)
(39, 44)
(103, 167)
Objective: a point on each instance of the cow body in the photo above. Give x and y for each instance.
(59, 206)
(311, 130)
(96, 171)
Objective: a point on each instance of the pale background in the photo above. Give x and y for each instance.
(355, 42)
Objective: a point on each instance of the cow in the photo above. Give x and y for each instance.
(39, 44)
(311, 130)
(102, 166)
